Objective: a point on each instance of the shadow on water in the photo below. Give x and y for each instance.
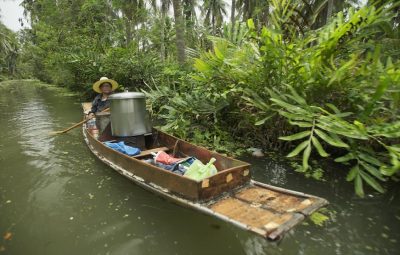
(56, 198)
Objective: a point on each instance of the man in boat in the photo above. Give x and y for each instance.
(105, 88)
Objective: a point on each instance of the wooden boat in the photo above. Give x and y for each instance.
(230, 195)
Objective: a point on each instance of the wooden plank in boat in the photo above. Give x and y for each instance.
(148, 152)
(276, 201)
(264, 211)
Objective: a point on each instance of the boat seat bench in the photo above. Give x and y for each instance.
(148, 152)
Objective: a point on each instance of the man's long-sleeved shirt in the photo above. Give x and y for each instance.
(98, 104)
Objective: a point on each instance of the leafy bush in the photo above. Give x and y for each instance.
(335, 88)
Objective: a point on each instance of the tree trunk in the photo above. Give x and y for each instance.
(179, 28)
(162, 28)
(265, 14)
(128, 31)
(329, 11)
(233, 8)
(127, 12)
(246, 10)
(189, 18)
(213, 24)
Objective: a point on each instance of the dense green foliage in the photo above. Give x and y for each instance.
(335, 89)
(73, 45)
(8, 52)
(313, 78)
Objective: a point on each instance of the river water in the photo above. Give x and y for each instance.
(57, 198)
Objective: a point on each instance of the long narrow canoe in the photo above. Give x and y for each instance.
(230, 195)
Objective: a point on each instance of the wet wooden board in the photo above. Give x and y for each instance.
(265, 211)
(273, 200)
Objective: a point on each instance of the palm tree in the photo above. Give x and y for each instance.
(133, 14)
(189, 10)
(214, 12)
(258, 10)
(329, 9)
(189, 13)
(180, 31)
(165, 5)
(8, 49)
(246, 7)
(323, 10)
(233, 19)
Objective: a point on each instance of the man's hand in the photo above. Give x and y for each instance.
(90, 115)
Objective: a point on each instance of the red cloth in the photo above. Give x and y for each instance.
(163, 157)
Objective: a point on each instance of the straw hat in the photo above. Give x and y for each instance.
(97, 84)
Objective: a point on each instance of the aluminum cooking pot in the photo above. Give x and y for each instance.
(128, 114)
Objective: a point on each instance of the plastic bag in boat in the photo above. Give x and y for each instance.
(178, 168)
(199, 171)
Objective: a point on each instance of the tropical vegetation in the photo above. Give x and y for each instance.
(8, 52)
(312, 79)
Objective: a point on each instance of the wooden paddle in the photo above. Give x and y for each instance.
(75, 125)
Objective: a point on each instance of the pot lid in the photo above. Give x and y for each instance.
(126, 95)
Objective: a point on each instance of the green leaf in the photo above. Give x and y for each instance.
(352, 173)
(372, 182)
(360, 125)
(340, 128)
(343, 114)
(345, 158)
(388, 171)
(201, 66)
(333, 108)
(257, 102)
(261, 122)
(306, 156)
(293, 116)
(302, 124)
(250, 24)
(296, 136)
(298, 149)
(329, 139)
(370, 159)
(318, 218)
(289, 107)
(380, 90)
(319, 147)
(218, 53)
(296, 97)
(358, 186)
(337, 125)
(372, 170)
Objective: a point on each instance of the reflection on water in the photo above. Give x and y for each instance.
(275, 173)
(56, 198)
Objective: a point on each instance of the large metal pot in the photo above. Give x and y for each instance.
(128, 114)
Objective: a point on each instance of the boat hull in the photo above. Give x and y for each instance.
(262, 209)
(230, 195)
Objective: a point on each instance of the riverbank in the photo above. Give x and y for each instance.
(14, 84)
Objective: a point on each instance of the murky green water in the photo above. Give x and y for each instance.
(56, 198)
